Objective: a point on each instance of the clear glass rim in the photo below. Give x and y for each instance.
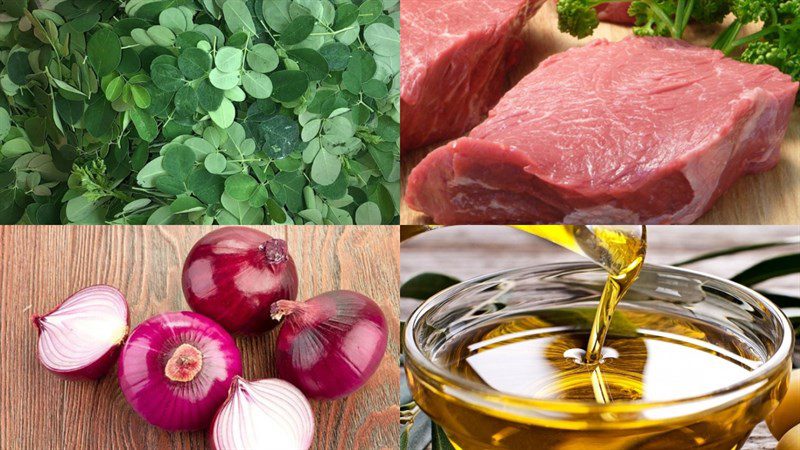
(475, 393)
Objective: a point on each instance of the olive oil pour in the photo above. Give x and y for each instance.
(620, 250)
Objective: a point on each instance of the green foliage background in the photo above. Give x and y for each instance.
(199, 111)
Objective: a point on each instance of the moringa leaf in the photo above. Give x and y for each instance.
(289, 93)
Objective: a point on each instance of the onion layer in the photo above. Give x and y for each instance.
(263, 414)
(330, 344)
(176, 368)
(234, 274)
(82, 337)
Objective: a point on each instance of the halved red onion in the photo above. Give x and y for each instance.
(81, 337)
(234, 274)
(176, 368)
(329, 345)
(263, 414)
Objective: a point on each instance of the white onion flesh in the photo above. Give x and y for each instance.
(83, 328)
(268, 413)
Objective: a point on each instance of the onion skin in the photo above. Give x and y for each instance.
(178, 405)
(330, 344)
(234, 274)
(62, 351)
(263, 414)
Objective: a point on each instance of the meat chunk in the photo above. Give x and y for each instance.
(455, 57)
(615, 13)
(646, 130)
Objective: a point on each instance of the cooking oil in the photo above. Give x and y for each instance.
(578, 358)
(648, 356)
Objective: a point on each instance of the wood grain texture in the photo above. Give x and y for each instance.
(766, 198)
(40, 266)
(468, 251)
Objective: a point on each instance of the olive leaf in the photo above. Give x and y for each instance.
(771, 268)
(425, 285)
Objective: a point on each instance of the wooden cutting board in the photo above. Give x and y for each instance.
(767, 198)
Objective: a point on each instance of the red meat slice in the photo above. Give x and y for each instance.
(455, 57)
(646, 130)
(615, 13)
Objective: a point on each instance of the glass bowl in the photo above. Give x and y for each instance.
(476, 416)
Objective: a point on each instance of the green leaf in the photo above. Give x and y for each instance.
(240, 186)
(383, 39)
(288, 189)
(263, 58)
(368, 214)
(99, 117)
(229, 59)
(425, 285)
(256, 84)
(141, 96)
(82, 210)
(326, 168)
(16, 147)
(186, 101)
(238, 17)
(5, 124)
(161, 216)
(298, 30)
(18, 68)
(369, 11)
(178, 161)
(145, 124)
(170, 185)
(104, 51)
(439, 440)
(288, 85)
(208, 96)
(70, 111)
(67, 89)
(738, 249)
(259, 197)
(771, 268)
(167, 78)
(375, 89)
(224, 80)
(215, 163)
(205, 186)
(224, 115)
(310, 62)
(194, 63)
(186, 204)
(336, 54)
(114, 88)
(279, 135)
(276, 14)
(150, 172)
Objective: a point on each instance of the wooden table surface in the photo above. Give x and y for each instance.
(39, 266)
(468, 251)
(766, 198)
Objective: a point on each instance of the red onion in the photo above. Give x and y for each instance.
(234, 274)
(176, 368)
(330, 344)
(263, 414)
(82, 336)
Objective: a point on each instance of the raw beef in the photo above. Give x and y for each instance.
(455, 58)
(646, 130)
(615, 12)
